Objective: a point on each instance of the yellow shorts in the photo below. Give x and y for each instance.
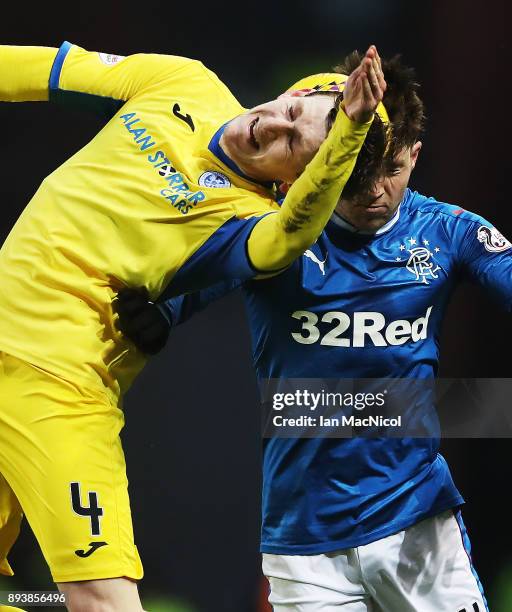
(62, 465)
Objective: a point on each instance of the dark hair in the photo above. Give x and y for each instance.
(407, 117)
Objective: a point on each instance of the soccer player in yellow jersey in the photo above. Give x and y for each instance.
(179, 168)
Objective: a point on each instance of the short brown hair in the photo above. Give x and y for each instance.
(406, 114)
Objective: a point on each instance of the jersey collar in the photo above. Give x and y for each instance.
(215, 148)
(344, 224)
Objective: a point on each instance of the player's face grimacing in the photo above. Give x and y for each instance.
(276, 140)
(373, 209)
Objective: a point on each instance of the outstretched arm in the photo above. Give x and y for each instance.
(25, 73)
(100, 81)
(181, 308)
(486, 258)
(148, 325)
(280, 238)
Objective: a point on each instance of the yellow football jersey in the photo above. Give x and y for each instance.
(129, 209)
(114, 214)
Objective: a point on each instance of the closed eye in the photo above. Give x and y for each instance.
(394, 170)
(291, 115)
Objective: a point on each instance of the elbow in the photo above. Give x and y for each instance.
(281, 252)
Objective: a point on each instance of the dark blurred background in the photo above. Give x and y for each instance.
(195, 482)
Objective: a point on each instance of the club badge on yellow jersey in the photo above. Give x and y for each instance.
(215, 179)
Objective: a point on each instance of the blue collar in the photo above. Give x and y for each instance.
(215, 148)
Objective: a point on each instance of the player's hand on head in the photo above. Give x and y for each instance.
(141, 321)
(365, 88)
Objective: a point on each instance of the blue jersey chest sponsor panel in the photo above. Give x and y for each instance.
(351, 292)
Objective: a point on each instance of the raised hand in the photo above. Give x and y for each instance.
(365, 88)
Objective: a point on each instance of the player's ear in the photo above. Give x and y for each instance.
(283, 188)
(415, 151)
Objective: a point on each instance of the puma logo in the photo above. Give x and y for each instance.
(93, 547)
(313, 257)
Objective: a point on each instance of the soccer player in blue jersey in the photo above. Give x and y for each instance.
(179, 168)
(362, 524)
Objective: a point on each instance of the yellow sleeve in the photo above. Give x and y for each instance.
(71, 74)
(280, 238)
(25, 73)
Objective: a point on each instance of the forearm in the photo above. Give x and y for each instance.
(25, 73)
(179, 309)
(148, 324)
(280, 238)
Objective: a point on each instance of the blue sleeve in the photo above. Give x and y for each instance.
(223, 257)
(179, 309)
(486, 258)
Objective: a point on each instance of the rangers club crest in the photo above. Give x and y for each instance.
(419, 260)
(493, 241)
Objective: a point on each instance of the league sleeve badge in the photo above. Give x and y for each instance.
(110, 59)
(492, 239)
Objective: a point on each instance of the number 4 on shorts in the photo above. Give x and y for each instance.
(93, 511)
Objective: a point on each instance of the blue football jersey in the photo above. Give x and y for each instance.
(362, 306)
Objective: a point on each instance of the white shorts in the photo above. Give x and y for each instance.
(425, 568)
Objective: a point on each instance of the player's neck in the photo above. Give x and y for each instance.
(348, 224)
